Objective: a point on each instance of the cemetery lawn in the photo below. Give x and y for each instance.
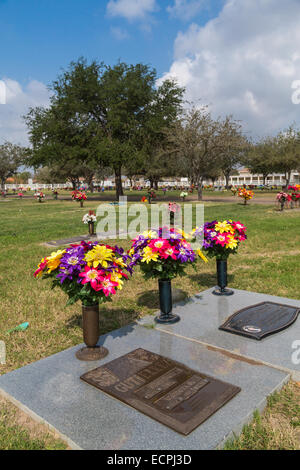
(267, 262)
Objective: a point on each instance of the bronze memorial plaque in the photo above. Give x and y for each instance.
(163, 389)
(261, 320)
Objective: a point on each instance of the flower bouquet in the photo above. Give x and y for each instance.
(296, 198)
(151, 195)
(90, 219)
(55, 194)
(246, 194)
(183, 195)
(40, 196)
(92, 273)
(79, 196)
(20, 194)
(221, 239)
(282, 198)
(173, 209)
(144, 199)
(163, 254)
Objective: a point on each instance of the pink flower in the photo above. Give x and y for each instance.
(159, 244)
(92, 276)
(170, 251)
(107, 285)
(221, 239)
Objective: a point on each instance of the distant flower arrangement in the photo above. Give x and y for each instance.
(144, 199)
(245, 194)
(220, 239)
(173, 207)
(89, 218)
(79, 196)
(39, 196)
(90, 271)
(183, 194)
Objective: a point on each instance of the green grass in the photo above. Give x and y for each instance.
(267, 262)
(277, 429)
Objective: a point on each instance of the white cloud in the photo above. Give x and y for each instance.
(18, 101)
(119, 33)
(244, 62)
(186, 9)
(131, 9)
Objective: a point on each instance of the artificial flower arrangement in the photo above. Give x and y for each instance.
(39, 196)
(144, 199)
(79, 196)
(55, 194)
(282, 198)
(163, 254)
(92, 273)
(183, 195)
(173, 209)
(246, 194)
(233, 190)
(296, 197)
(90, 219)
(20, 195)
(151, 195)
(219, 240)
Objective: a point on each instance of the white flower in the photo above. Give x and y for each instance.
(88, 218)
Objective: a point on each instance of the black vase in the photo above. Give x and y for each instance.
(222, 278)
(165, 301)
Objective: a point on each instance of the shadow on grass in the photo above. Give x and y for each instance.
(149, 299)
(209, 280)
(110, 320)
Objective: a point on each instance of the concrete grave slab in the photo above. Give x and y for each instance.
(51, 391)
(202, 315)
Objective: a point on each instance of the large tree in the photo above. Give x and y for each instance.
(98, 114)
(232, 147)
(260, 157)
(287, 155)
(195, 143)
(11, 158)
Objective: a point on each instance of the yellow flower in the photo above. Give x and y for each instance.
(120, 262)
(223, 227)
(232, 243)
(117, 277)
(149, 255)
(149, 234)
(131, 251)
(99, 255)
(53, 261)
(201, 255)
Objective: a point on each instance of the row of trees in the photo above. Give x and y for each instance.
(106, 120)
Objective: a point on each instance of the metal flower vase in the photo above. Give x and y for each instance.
(222, 279)
(91, 333)
(165, 301)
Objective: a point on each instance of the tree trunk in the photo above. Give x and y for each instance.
(287, 178)
(200, 190)
(227, 180)
(118, 182)
(2, 184)
(156, 185)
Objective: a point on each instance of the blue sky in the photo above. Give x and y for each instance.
(39, 37)
(239, 57)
